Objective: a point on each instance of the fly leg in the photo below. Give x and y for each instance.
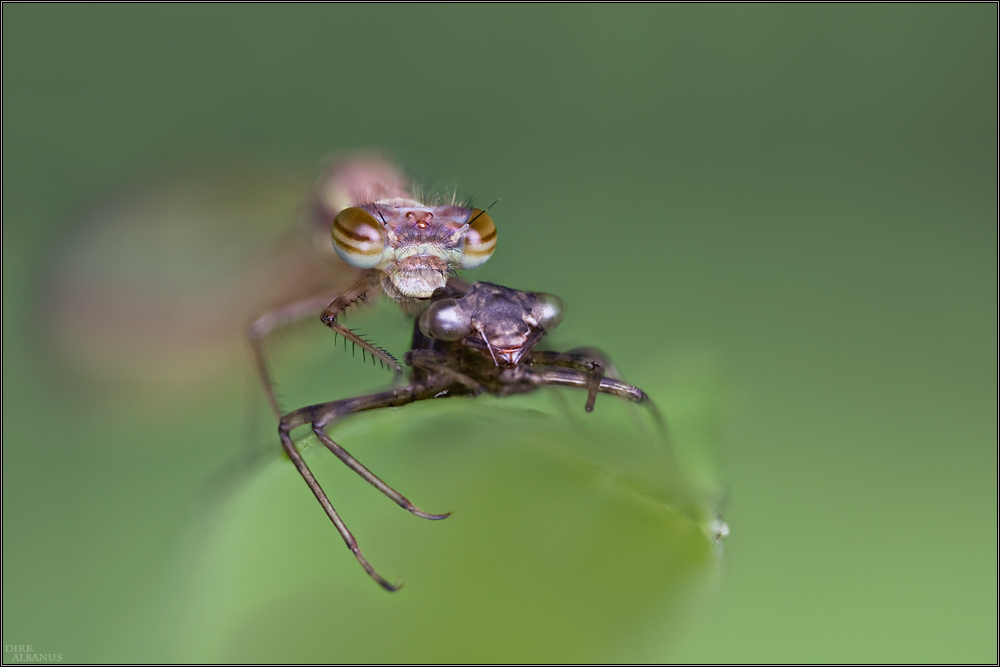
(610, 368)
(572, 378)
(585, 363)
(324, 413)
(355, 292)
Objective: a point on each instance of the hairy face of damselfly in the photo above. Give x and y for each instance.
(417, 247)
(378, 221)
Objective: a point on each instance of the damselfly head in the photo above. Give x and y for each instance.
(416, 246)
(500, 322)
(379, 224)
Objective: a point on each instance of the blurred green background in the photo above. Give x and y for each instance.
(779, 221)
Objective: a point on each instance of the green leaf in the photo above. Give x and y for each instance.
(573, 537)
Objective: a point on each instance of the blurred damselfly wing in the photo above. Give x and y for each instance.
(156, 285)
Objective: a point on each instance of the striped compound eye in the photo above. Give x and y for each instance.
(359, 238)
(480, 240)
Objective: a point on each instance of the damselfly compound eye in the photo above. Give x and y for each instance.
(359, 238)
(446, 320)
(480, 240)
(548, 312)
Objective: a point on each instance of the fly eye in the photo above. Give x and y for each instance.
(358, 238)
(549, 311)
(445, 320)
(480, 240)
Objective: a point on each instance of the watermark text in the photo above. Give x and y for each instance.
(26, 653)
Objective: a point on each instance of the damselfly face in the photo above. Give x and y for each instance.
(415, 245)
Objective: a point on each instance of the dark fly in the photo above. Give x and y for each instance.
(464, 344)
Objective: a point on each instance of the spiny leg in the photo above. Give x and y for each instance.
(355, 292)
